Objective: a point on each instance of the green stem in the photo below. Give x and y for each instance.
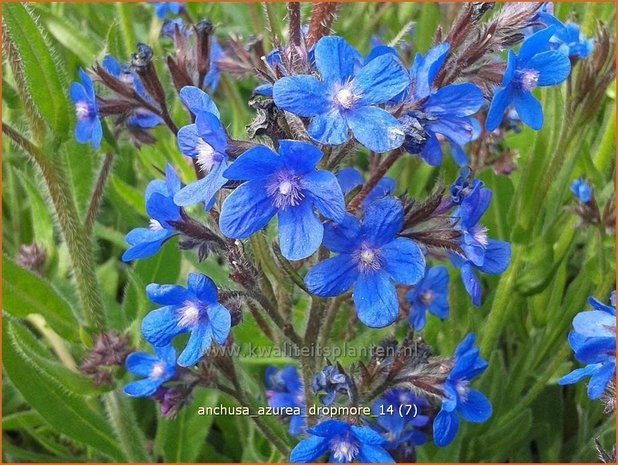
(78, 242)
(607, 148)
(97, 195)
(127, 430)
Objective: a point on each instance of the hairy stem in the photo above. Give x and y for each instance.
(125, 425)
(97, 195)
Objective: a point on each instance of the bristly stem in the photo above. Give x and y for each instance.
(78, 242)
(294, 24)
(322, 17)
(97, 194)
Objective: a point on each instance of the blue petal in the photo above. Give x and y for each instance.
(497, 257)
(342, 237)
(501, 100)
(202, 287)
(349, 178)
(322, 187)
(381, 79)
(404, 261)
(373, 454)
(220, 322)
(536, 43)
(445, 428)
(78, 93)
(140, 363)
(375, 128)
(300, 231)
(198, 344)
(599, 380)
(187, 139)
(301, 157)
(595, 323)
(172, 180)
(333, 276)
(308, 450)
(553, 67)
(330, 128)
(210, 129)
(142, 388)
(258, 162)
(246, 210)
(471, 283)
(166, 294)
(329, 428)
(111, 65)
(196, 100)
(425, 69)
(160, 326)
(144, 250)
(144, 119)
(335, 59)
(579, 374)
(84, 129)
(162, 208)
(475, 407)
(383, 221)
(455, 100)
(297, 425)
(432, 151)
(146, 235)
(375, 298)
(168, 355)
(529, 109)
(87, 82)
(368, 435)
(203, 190)
(301, 95)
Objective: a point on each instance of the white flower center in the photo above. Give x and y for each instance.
(285, 190)
(427, 297)
(344, 451)
(205, 155)
(158, 370)
(127, 78)
(285, 187)
(367, 256)
(480, 235)
(368, 259)
(345, 98)
(154, 225)
(82, 110)
(529, 79)
(189, 315)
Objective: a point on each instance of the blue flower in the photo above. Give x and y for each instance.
(350, 178)
(398, 415)
(372, 259)
(284, 388)
(535, 66)
(429, 295)
(568, 38)
(206, 142)
(162, 9)
(88, 127)
(160, 206)
(331, 381)
(289, 186)
(343, 442)
(155, 369)
(593, 340)
(193, 310)
(582, 190)
(447, 111)
(346, 98)
(212, 78)
(139, 117)
(487, 255)
(459, 399)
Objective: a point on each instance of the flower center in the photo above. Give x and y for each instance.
(529, 79)
(189, 314)
(344, 449)
(154, 225)
(206, 155)
(462, 387)
(480, 235)
(285, 190)
(158, 370)
(345, 98)
(427, 297)
(82, 110)
(368, 259)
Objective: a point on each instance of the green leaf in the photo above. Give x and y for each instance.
(42, 222)
(26, 293)
(74, 39)
(41, 70)
(181, 439)
(71, 415)
(114, 41)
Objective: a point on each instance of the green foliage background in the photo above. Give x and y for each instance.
(52, 413)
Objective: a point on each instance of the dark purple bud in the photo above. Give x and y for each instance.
(32, 257)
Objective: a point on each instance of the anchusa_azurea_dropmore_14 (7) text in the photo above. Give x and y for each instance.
(318, 233)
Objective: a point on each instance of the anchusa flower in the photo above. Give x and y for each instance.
(163, 212)
(346, 98)
(287, 185)
(429, 295)
(459, 399)
(568, 37)
(154, 369)
(372, 259)
(443, 114)
(163, 9)
(193, 310)
(581, 190)
(343, 442)
(88, 127)
(535, 66)
(331, 381)
(593, 340)
(206, 142)
(284, 388)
